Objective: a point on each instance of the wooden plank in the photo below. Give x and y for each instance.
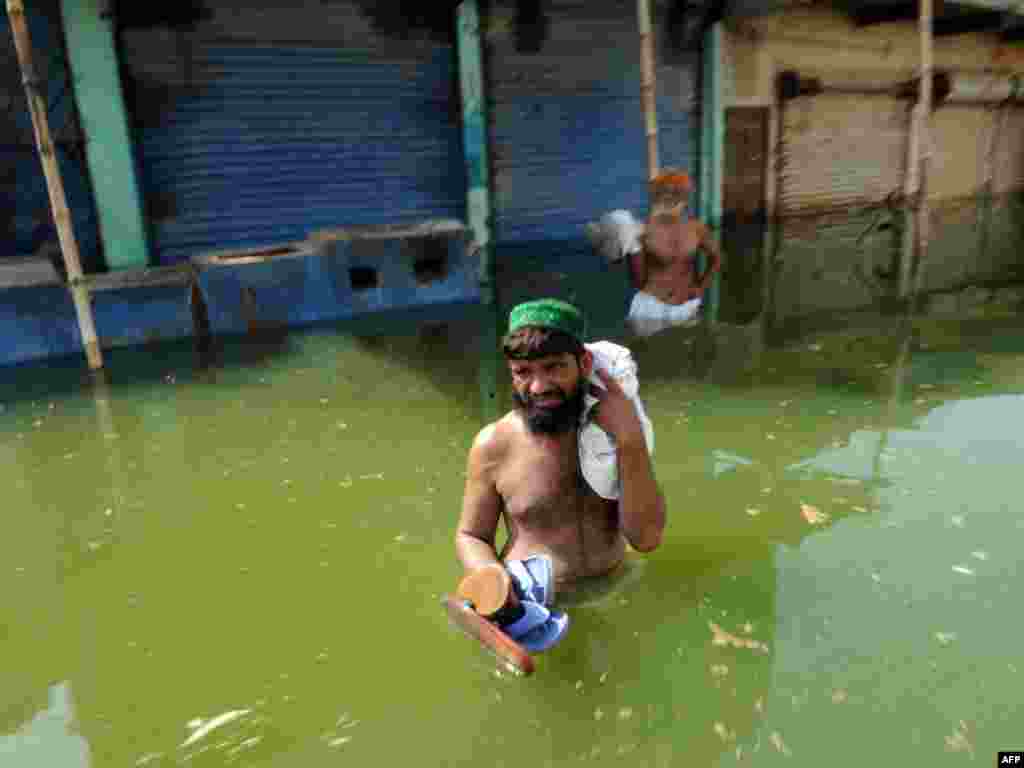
(487, 633)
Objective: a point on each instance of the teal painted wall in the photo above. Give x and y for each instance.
(97, 86)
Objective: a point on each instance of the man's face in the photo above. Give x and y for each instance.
(548, 391)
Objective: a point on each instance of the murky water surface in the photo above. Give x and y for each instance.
(242, 567)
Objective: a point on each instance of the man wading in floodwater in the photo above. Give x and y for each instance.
(525, 467)
(669, 287)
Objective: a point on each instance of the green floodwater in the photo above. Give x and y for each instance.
(242, 566)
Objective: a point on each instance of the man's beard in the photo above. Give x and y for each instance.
(551, 421)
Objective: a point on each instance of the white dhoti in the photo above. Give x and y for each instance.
(648, 315)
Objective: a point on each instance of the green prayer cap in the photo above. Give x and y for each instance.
(548, 313)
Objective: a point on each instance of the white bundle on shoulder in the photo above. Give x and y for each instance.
(597, 452)
(615, 235)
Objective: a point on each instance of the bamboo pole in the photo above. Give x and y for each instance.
(647, 95)
(54, 185)
(923, 228)
(910, 189)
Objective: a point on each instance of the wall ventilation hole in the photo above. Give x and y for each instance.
(430, 269)
(363, 278)
(432, 262)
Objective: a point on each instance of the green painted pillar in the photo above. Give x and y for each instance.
(478, 201)
(97, 86)
(712, 150)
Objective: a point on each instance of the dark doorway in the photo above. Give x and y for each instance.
(743, 211)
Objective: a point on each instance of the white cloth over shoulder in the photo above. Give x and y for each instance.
(598, 457)
(615, 235)
(648, 315)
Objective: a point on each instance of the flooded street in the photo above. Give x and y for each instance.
(242, 566)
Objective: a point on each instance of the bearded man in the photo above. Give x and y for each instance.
(525, 466)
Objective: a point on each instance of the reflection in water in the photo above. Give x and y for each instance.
(50, 738)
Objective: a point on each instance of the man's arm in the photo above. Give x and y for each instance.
(481, 505)
(642, 505)
(707, 242)
(638, 269)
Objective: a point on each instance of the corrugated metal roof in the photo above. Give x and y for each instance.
(750, 8)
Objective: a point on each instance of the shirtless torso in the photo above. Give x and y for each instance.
(667, 266)
(534, 482)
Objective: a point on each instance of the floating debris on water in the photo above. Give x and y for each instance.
(813, 515)
(957, 521)
(202, 728)
(400, 537)
(963, 569)
(719, 670)
(338, 742)
(839, 696)
(753, 512)
(724, 733)
(625, 713)
(945, 638)
(978, 555)
(723, 638)
(959, 742)
(598, 714)
(776, 739)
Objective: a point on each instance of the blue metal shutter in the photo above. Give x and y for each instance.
(261, 143)
(568, 129)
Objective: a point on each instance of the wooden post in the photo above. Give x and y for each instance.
(923, 228)
(54, 185)
(773, 212)
(478, 198)
(987, 196)
(647, 96)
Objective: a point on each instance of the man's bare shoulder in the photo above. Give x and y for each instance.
(492, 443)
